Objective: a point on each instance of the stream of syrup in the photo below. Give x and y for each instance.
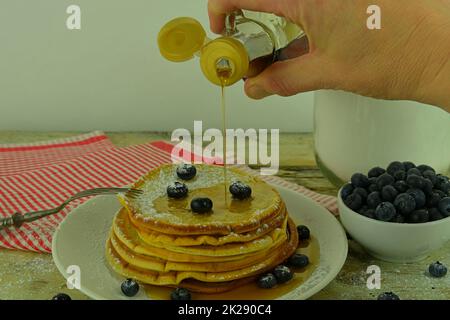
(224, 74)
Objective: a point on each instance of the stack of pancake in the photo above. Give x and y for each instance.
(160, 241)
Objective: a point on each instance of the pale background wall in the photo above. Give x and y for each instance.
(109, 75)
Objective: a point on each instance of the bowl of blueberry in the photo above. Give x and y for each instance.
(400, 213)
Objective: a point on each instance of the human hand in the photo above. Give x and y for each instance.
(409, 58)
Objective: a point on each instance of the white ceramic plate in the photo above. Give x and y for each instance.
(81, 237)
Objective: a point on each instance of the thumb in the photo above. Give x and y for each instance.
(289, 77)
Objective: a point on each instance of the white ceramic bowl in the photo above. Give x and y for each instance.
(394, 242)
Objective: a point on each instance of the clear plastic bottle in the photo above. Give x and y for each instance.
(250, 42)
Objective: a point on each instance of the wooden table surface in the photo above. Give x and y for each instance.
(26, 275)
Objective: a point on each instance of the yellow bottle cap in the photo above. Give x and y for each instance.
(180, 39)
(224, 48)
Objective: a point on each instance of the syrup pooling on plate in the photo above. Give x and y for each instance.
(251, 290)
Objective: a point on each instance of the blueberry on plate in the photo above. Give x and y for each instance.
(413, 171)
(405, 203)
(376, 172)
(362, 192)
(354, 202)
(444, 206)
(435, 214)
(395, 166)
(373, 199)
(408, 165)
(303, 232)
(180, 294)
(388, 296)
(298, 260)
(359, 180)
(384, 180)
(437, 270)
(418, 216)
(177, 190)
(267, 281)
(419, 197)
(186, 171)
(414, 181)
(201, 205)
(389, 193)
(401, 186)
(385, 211)
(240, 190)
(130, 287)
(62, 296)
(283, 274)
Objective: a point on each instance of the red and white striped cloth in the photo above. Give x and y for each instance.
(41, 176)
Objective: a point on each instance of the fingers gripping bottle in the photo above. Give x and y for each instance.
(249, 43)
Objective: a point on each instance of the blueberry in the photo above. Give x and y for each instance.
(346, 191)
(418, 216)
(298, 260)
(405, 203)
(430, 175)
(423, 167)
(303, 232)
(389, 193)
(435, 214)
(62, 296)
(433, 199)
(444, 187)
(427, 186)
(369, 213)
(374, 199)
(240, 190)
(359, 180)
(444, 206)
(267, 281)
(362, 193)
(354, 202)
(414, 181)
(401, 186)
(201, 205)
(372, 187)
(384, 180)
(399, 175)
(388, 296)
(186, 171)
(376, 172)
(394, 167)
(419, 197)
(385, 211)
(437, 270)
(177, 190)
(398, 219)
(363, 210)
(408, 165)
(180, 294)
(130, 287)
(283, 274)
(414, 171)
(372, 180)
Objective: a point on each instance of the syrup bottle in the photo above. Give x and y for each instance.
(249, 43)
